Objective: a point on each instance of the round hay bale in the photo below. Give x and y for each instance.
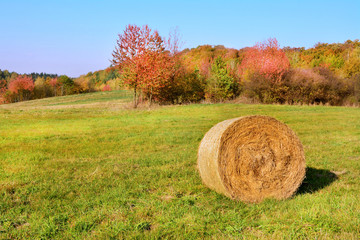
(252, 158)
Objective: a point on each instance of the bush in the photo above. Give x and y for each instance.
(354, 88)
(312, 86)
(184, 87)
(305, 86)
(263, 89)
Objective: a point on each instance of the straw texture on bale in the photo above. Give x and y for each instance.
(252, 158)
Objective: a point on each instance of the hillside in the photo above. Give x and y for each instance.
(86, 100)
(102, 171)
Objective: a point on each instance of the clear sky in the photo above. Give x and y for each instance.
(77, 36)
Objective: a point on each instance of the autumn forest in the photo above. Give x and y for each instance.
(155, 70)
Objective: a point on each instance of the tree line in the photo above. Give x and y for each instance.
(155, 70)
(265, 73)
(16, 87)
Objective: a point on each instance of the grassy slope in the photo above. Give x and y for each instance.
(97, 172)
(96, 99)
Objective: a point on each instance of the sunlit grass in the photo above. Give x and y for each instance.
(96, 99)
(93, 173)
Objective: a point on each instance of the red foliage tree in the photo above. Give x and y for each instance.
(22, 86)
(106, 88)
(141, 58)
(54, 83)
(266, 59)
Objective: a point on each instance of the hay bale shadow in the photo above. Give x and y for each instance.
(316, 179)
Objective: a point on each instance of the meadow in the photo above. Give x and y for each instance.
(90, 167)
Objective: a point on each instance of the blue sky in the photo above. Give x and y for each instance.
(75, 37)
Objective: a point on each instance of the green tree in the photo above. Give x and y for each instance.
(40, 88)
(66, 85)
(221, 85)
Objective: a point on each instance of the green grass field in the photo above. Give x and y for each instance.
(84, 167)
